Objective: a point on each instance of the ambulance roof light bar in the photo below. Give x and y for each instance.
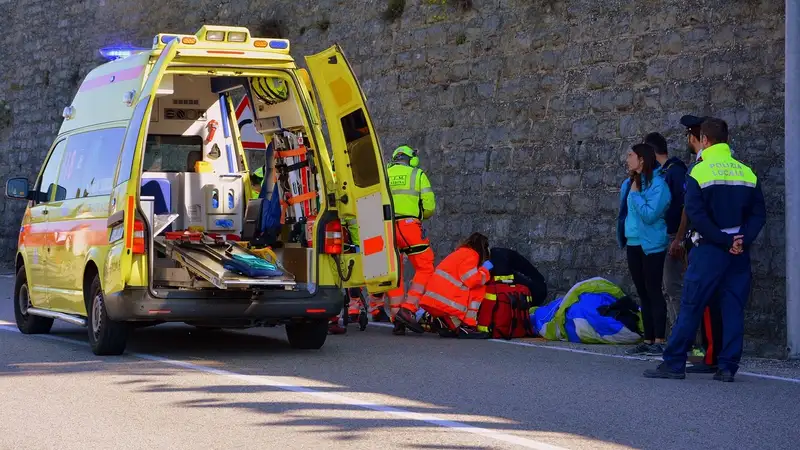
(114, 53)
(216, 34)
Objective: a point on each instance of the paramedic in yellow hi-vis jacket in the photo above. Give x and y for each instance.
(414, 201)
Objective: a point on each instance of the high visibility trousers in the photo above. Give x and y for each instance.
(376, 304)
(713, 275)
(441, 307)
(711, 333)
(412, 242)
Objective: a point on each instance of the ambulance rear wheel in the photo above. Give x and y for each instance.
(106, 336)
(307, 335)
(27, 323)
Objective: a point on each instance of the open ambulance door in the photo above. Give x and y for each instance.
(126, 235)
(361, 183)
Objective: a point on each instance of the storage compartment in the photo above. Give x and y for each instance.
(193, 178)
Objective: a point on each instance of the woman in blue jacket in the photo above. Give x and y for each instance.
(642, 230)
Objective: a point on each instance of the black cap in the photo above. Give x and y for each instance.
(692, 121)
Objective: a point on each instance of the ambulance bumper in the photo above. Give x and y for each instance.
(183, 306)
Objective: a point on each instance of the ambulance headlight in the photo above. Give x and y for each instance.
(237, 36)
(215, 36)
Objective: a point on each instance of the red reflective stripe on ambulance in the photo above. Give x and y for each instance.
(103, 80)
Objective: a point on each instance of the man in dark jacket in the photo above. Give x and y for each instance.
(674, 173)
(508, 262)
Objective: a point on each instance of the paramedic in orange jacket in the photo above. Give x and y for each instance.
(455, 290)
(414, 201)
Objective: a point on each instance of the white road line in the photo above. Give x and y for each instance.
(628, 357)
(269, 382)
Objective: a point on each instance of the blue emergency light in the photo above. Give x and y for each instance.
(114, 53)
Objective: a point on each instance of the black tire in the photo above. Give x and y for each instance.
(106, 337)
(307, 335)
(26, 323)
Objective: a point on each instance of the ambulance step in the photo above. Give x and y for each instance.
(69, 318)
(206, 261)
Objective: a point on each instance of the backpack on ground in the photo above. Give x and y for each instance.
(504, 311)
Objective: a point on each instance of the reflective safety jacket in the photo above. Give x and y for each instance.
(411, 192)
(457, 286)
(724, 198)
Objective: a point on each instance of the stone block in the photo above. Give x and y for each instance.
(584, 128)
(601, 76)
(631, 73)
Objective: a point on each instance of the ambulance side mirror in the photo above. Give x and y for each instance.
(18, 188)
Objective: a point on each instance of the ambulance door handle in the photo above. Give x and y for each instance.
(44, 212)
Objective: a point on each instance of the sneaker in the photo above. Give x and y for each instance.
(408, 319)
(640, 349)
(399, 329)
(664, 371)
(655, 350)
(701, 368)
(725, 376)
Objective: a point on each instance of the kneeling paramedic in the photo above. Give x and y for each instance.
(454, 292)
(725, 205)
(413, 200)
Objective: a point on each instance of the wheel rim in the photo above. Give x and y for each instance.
(97, 314)
(24, 299)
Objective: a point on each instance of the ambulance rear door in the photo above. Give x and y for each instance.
(126, 231)
(361, 183)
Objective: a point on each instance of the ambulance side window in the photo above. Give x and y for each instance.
(47, 183)
(360, 149)
(87, 169)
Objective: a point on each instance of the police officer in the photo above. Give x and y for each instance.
(726, 208)
(711, 324)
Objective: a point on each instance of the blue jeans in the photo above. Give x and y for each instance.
(712, 271)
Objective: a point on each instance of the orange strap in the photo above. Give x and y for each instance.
(289, 153)
(301, 198)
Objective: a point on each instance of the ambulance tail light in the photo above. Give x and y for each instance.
(138, 237)
(333, 237)
(237, 36)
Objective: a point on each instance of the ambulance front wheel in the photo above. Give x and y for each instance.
(307, 335)
(106, 336)
(27, 323)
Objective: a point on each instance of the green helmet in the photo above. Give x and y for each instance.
(404, 150)
(259, 173)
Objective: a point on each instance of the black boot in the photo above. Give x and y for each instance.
(408, 319)
(664, 371)
(399, 329)
(725, 376)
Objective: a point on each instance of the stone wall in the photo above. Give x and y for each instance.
(523, 109)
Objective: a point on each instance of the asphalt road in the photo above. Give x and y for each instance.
(178, 388)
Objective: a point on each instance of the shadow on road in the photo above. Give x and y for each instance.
(509, 389)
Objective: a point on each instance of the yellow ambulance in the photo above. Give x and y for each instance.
(142, 210)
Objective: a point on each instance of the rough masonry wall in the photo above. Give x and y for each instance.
(522, 109)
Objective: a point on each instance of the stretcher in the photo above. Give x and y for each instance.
(205, 256)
